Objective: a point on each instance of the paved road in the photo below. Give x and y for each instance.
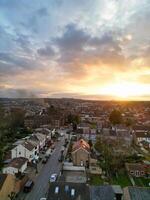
(41, 186)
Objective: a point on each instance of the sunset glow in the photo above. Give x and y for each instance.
(78, 49)
(126, 90)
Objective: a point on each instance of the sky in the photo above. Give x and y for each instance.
(90, 49)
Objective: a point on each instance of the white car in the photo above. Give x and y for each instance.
(43, 198)
(53, 178)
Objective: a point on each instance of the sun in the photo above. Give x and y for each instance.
(124, 90)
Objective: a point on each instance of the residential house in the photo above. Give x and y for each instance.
(117, 134)
(7, 182)
(94, 168)
(35, 142)
(81, 153)
(137, 169)
(25, 149)
(36, 121)
(145, 145)
(136, 193)
(39, 140)
(84, 127)
(106, 192)
(42, 139)
(15, 166)
(45, 131)
(140, 136)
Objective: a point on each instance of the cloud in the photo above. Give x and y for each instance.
(68, 46)
(42, 12)
(24, 42)
(18, 63)
(78, 49)
(17, 93)
(46, 52)
(72, 39)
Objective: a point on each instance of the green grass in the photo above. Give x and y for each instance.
(96, 180)
(142, 182)
(122, 180)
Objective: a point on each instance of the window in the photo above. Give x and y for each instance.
(72, 192)
(137, 173)
(82, 163)
(94, 168)
(19, 153)
(56, 190)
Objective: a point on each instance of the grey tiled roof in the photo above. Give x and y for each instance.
(104, 192)
(139, 193)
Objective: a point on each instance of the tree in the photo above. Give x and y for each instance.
(90, 143)
(129, 122)
(52, 110)
(98, 145)
(17, 118)
(115, 117)
(73, 119)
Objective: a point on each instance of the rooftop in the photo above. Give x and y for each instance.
(142, 134)
(17, 162)
(105, 192)
(135, 166)
(81, 144)
(28, 145)
(139, 193)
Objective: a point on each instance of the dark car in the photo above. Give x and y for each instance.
(60, 159)
(47, 156)
(43, 152)
(44, 161)
(28, 186)
(40, 158)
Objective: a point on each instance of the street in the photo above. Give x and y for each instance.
(41, 185)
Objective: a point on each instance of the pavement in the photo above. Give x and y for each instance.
(41, 182)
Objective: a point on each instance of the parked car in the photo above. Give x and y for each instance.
(28, 186)
(44, 161)
(47, 156)
(53, 178)
(43, 198)
(40, 159)
(61, 157)
(43, 152)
